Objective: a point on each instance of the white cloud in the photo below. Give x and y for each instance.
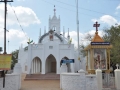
(82, 37)
(16, 37)
(116, 13)
(118, 7)
(107, 19)
(13, 35)
(94, 20)
(25, 15)
(117, 10)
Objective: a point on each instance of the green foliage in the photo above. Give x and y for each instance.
(1, 49)
(82, 50)
(112, 35)
(14, 58)
(29, 41)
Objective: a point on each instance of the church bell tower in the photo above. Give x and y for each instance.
(54, 22)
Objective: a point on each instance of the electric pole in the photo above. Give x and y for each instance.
(5, 1)
(77, 21)
(78, 28)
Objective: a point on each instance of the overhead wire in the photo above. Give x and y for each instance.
(18, 20)
(68, 9)
(83, 8)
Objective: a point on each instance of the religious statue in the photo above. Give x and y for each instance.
(51, 35)
(99, 59)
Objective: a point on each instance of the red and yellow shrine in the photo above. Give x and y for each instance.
(98, 54)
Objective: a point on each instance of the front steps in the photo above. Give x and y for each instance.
(48, 76)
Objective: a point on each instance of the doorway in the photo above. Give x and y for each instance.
(50, 64)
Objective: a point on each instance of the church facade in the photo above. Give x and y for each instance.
(45, 57)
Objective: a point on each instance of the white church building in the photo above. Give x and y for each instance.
(45, 57)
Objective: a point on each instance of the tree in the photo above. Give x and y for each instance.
(88, 38)
(112, 35)
(82, 50)
(14, 58)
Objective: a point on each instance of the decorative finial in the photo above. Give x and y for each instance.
(54, 10)
(96, 25)
(40, 33)
(68, 34)
(63, 32)
(68, 31)
(117, 66)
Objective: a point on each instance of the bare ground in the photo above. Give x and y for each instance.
(39, 84)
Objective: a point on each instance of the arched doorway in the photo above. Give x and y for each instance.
(50, 66)
(68, 64)
(36, 66)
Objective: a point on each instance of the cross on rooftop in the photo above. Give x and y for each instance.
(54, 9)
(96, 25)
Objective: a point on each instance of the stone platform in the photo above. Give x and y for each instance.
(48, 76)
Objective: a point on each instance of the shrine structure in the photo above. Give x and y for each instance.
(98, 53)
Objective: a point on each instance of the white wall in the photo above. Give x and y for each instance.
(43, 51)
(78, 81)
(11, 82)
(22, 58)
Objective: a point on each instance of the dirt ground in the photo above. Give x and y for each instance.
(39, 84)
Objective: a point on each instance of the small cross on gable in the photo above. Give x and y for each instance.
(54, 8)
(96, 25)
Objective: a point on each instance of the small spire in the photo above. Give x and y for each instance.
(21, 45)
(40, 33)
(54, 11)
(63, 32)
(68, 34)
(44, 29)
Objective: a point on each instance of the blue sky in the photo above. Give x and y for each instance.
(34, 14)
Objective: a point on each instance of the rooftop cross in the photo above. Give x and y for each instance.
(96, 25)
(54, 9)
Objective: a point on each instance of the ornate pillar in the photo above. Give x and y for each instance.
(43, 67)
(34, 66)
(87, 61)
(90, 59)
(109, 57)
(38, 65)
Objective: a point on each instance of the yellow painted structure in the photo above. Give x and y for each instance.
(98, 55)
(5, 61)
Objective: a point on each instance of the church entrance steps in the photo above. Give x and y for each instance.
(48, 76)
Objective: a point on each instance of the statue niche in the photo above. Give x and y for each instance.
(51, 32)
